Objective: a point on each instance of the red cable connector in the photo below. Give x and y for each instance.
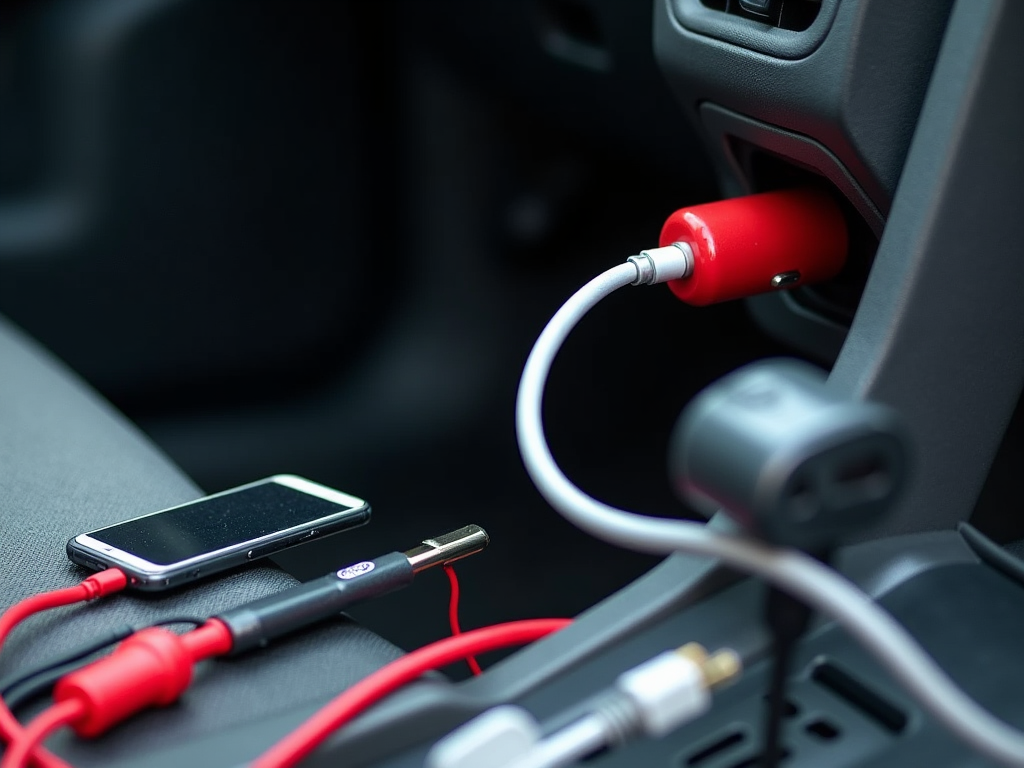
(749, 245)
(151, 668)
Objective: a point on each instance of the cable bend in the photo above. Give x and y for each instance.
(819, 586)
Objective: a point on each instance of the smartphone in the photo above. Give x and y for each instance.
(178, 545)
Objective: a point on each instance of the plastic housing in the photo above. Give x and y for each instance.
(786, 457)
(746, 245)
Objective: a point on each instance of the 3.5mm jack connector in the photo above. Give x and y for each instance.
(448, 548)
(651, 699)
(675, 686)
(718, 668)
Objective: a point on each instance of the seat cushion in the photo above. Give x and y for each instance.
(69, 463)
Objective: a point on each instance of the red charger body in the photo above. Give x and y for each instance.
(740, 245)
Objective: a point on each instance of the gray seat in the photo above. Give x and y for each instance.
(68, 463)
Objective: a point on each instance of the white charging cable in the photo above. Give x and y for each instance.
(652, 699)
(820, 587)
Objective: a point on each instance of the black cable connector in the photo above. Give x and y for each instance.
(257, 623)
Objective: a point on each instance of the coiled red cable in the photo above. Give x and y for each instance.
(79, 710)
(57, 716)
(98, 585)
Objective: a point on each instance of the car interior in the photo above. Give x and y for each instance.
(246, 238)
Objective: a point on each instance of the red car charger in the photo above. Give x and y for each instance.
(749, 245)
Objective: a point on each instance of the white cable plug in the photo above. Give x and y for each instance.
(569, 745)
(651, 699)
(492, 740)
(667, 691)
(822, 588)
(659, 265)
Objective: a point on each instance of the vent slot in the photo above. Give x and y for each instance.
(822, 729)
(728, 741)
(858, 695)
(794, 15)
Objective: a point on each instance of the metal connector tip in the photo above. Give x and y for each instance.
(448, 548)
(718, 668)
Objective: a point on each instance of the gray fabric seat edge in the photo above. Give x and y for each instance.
(70, 462)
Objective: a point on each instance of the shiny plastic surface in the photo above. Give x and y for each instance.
(741, 245)
(151, 668)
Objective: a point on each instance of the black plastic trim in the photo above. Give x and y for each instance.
(722, 123)
(757, 36)
(882, 568)
(939, 328)
(991, 553)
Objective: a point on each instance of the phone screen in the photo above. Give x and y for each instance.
(217, 522)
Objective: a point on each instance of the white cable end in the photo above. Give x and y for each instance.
(659, 265)
(492, 740)
(668, 690)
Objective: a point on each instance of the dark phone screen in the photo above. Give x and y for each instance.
(212, 524)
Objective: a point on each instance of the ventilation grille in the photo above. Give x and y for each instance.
(814, 727)
(794, 15)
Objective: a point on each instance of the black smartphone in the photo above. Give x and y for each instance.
(175, 546)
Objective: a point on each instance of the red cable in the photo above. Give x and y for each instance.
(211, 639)
(99, 584)
(453, 615)
(345, 707)
(57, 716)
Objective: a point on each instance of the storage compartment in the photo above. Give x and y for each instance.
(837, 299)
(758, 157)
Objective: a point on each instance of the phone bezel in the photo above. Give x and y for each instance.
(144, 574)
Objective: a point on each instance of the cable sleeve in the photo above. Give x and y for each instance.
(151, 668)
(211, 639)
(800, 575)
(255, 624)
